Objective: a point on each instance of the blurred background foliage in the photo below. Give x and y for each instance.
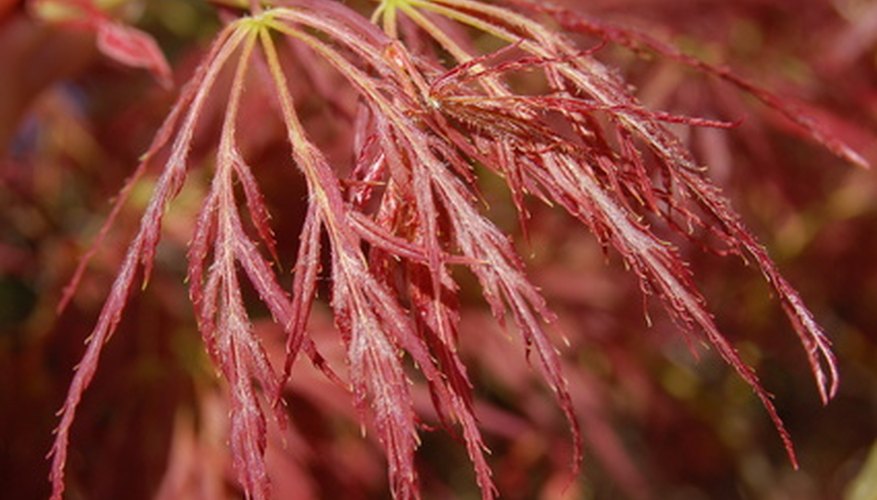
(658, 422)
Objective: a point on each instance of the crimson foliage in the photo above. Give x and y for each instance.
(390, 225)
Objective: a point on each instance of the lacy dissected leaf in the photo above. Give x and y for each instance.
(593, 179)
(640, 41)
(218, 300)
(376, 327)
(141, 250)
(407, 210)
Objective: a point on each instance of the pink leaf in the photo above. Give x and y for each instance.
(134, 48)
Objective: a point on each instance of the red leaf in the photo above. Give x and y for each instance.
(134, 48)
(140, 251)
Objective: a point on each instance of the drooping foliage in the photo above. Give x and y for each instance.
(434, 113)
